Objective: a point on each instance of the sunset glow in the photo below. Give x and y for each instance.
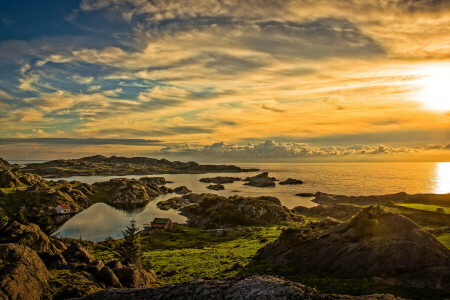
(434, 88)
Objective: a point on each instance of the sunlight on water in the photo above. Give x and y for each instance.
(442, 178)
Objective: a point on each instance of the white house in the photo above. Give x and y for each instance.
(63, 209)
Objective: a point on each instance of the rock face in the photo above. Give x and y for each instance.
(8, 179)
(101, 165)
(261, 180)
(215, 187)
(32, 236)
(213, 211)
(23, 275)
(291, 181)
(220, 179)
(255, 287)
(373, 245)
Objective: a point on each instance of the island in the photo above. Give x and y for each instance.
(120, 166)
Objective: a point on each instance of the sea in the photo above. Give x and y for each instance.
(101, 220)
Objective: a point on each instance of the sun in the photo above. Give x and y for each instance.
(433, 87)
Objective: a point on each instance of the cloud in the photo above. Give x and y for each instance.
(267, 107)
(272, 149)
(77, 142)
(83, 80)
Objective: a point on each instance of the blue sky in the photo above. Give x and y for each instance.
(300, 79)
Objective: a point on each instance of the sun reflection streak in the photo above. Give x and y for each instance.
(442, 178)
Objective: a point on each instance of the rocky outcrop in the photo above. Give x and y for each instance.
(132, 191)
(213, 211)
(29, 179)
(119, 166)
(8, 179)
(215, 187)
(23, 275)
(180, 202)
(291, 181)
(373, 245)
(220, 179)
(173, 203)
(181, 190)
(254, 287)
(4, 164)
(260, 180)
(31, 236)
(135, 278)
(339, 211)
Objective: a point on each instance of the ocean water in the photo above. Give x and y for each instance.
(101, 220)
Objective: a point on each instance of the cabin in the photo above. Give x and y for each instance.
(63, 209)
(159, 223)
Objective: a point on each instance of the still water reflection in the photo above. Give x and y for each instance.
(101, 220)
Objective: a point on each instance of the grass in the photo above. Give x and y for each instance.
(445, 239)
(426, 207)
(102, 193)
(188, 253)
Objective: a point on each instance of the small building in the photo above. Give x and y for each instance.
(63, 209)
(159, 223)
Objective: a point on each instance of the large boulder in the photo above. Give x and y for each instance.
(135, 278)
(373, 245)
(254, 287)
(78, 254)
(108, 277)
(23, 274)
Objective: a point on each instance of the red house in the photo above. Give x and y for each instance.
(160, 223)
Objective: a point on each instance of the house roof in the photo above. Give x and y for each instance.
(161, 220)
(64, 206)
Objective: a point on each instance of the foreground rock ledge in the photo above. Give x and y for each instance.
(255, 287)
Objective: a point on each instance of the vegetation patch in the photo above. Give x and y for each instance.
(187, 253)
(426, 207)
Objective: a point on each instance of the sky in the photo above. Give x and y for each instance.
(226, 80)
